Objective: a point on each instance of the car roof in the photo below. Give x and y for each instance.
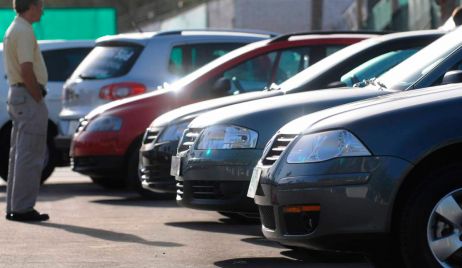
(325, 34)
(141, 38)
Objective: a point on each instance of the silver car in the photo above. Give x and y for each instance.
(129, 64)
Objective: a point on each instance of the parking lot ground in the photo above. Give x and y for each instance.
(94, 227)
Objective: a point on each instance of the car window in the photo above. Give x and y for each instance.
(291, 61)
(108, 61)
(333, 49)
(418, 65)
(377, 66)
(62, 62)
(252, 75)
(186, 58)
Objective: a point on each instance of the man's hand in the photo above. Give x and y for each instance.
(28, 76)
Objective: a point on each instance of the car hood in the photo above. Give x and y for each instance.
(267, 115)
(342, 116)
(193, 110)
(408, 125)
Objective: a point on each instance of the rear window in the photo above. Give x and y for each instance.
(186, 58)
(109, 61)
(62, 62)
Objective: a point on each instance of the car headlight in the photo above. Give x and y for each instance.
(227, 137)
(104, 123)
(326, 145)
(173, 132)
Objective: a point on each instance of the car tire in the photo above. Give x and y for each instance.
(423, 230)
(50, 158)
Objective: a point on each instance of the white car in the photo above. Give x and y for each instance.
(61, 58)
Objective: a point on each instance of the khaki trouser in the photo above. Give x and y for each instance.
(27, 151)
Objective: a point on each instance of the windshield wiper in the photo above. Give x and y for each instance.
(272, 87)
(382, 85)
(372, 81)
(364, 83)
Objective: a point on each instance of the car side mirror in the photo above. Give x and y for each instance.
(222, 84)
(452, 77)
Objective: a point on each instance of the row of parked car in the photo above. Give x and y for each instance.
(323, 131)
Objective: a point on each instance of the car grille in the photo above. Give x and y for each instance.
(150, 136)
(267, 217)
(189, 137)
(206, 190)
(279, 144)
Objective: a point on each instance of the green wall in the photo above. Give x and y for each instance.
(68, 23)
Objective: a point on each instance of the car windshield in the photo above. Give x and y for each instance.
(376, 66)
(325, 64)
(409, 71)
(108, 61)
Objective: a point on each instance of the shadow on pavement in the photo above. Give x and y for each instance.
(299, 258)
(286, 262)
(108, 235)
(323, 257)
(219, 227)
(261, 241)
(136, 201)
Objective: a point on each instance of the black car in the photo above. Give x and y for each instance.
(220, 148)
(371, 58)
(384, 171)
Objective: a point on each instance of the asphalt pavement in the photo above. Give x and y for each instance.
(95, 227)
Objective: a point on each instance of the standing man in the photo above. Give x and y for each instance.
(27, 77)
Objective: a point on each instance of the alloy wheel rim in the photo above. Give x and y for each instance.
(444, 230)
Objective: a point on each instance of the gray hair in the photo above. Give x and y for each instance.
(22, 6)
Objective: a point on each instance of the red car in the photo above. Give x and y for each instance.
(106, 144)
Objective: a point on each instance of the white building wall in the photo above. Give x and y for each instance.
(281, 16)
(221, 14)
(195, 18)
(273, 15)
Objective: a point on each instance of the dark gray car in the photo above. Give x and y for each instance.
(388, 168)
(220, 148)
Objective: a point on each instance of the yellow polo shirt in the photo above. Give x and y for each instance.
(20, 46)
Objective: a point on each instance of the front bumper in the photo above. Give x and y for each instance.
(155, 163)
(217, 180)
(354, 196)
(100, 166)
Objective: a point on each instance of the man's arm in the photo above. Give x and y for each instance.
(28, 76)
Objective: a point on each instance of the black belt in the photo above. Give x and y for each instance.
(42, 87)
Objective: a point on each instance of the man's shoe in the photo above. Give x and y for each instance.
(33, 215)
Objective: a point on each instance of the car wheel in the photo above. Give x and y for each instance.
(49, 161)
(431, 225)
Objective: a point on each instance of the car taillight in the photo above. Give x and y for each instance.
(121, 90)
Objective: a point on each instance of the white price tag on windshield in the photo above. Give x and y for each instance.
(254, 182)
